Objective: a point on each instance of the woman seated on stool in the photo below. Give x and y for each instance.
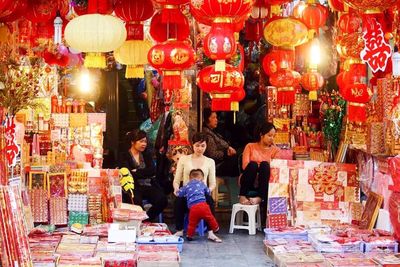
(186, 163)
(255, 163)
(143, 171)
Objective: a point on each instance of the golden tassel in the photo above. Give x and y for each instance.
(134, 71)
(95, 60)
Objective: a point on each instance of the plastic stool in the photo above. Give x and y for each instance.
(147, 203)
(253, 213)
(200, 229)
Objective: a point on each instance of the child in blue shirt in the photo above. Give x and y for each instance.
(195, 191)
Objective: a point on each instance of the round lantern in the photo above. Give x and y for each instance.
(171, 58)
(133, 53)
(277, 59)
(286, 32)
(312, 81)
(371, 6)
(4, 3)
(134, 10)
(220, 44)
(104, 7)
(285, 82)
(220, 83)
(95, 34)
(207, 10)
(314, 16)
(162, 29)
(228, 104)
(349, 22)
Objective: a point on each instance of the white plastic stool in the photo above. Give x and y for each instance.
(253, 213)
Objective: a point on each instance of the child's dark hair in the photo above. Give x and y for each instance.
(134, 136)
(196, 173)
(199, 137)
(263, 129)
(206, 115)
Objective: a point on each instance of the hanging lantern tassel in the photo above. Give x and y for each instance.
(313, 95)
(172, 79)
(356, 112)
(134, 71)
(286, 96)
(95, 60)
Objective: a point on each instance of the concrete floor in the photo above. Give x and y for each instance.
(237, 250)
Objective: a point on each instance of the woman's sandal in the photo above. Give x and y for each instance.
(215, 239)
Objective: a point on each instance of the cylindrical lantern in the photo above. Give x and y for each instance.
(312, 81)
(171, 58)
(95, 34)
(220, 44)
(285, 32)
(133, 53)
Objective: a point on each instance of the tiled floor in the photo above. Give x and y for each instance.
(236, 250)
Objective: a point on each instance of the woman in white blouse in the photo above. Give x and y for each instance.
(186, 163)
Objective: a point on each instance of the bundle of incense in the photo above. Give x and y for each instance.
(18, 214)
(9, 257)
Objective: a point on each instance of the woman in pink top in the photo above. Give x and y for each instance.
(255, 163)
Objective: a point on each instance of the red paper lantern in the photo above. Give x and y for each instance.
(357, 73)
(277, 58)
(371, 6)
(356, 95)
(220, 44)
(314, 16)
(349, 22)
(207, 11)
(44, 11)
(285, 81)
(170, 58)
(336, 5)
(104, 7)
(171, 2)
(133, 12)
(13, 10)
(220, 82)
(162, 29)
(312, 81)
(228, 104)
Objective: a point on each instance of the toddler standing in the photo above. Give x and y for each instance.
(195, 191)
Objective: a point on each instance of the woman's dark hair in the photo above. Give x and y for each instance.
(206, 115)
(134, 136)
(263, 129)
(199, 137)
